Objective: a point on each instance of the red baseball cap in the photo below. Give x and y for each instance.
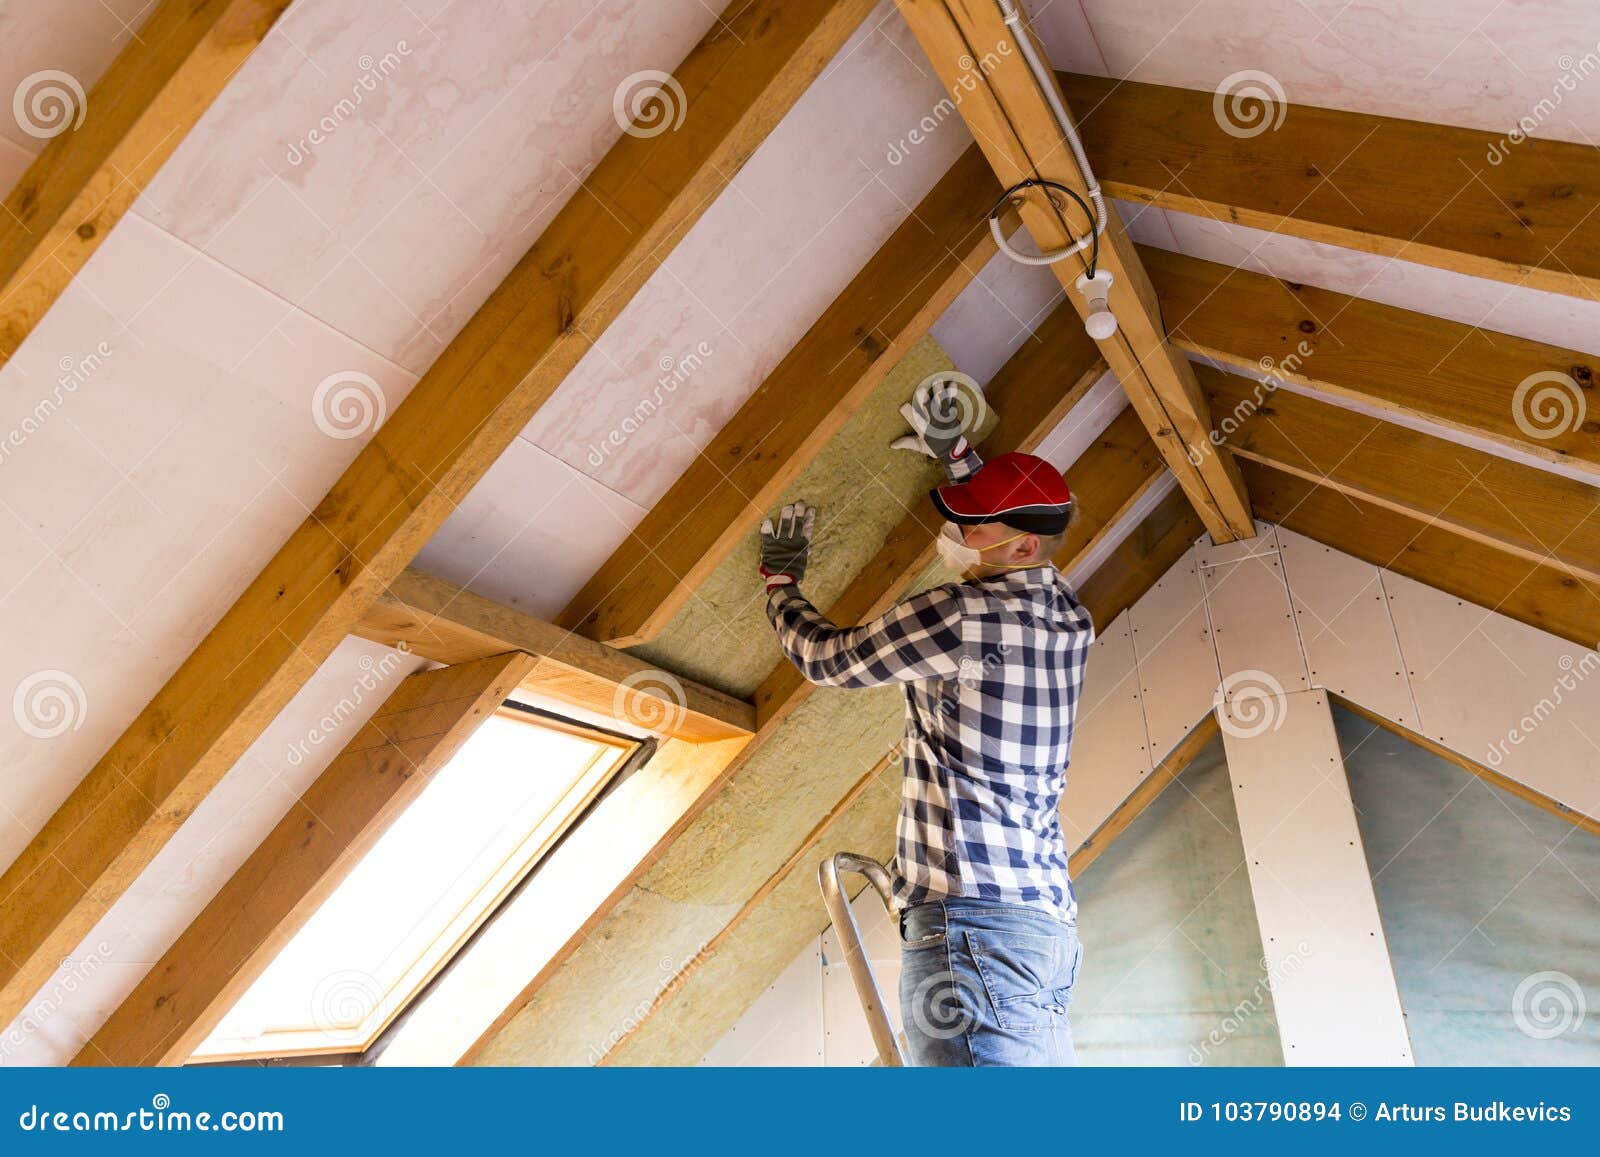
(1021, 490)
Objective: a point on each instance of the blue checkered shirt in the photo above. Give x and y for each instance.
(991, 671)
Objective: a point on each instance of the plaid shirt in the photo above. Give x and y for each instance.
(991, 671)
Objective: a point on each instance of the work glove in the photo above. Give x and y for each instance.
(786, 547)
(938, 414)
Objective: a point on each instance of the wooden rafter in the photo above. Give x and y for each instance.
(89, 174)
(485, 386)
(1389, 358)
(1540, 595)
(302, 860)
(973, 52)
(443, 622)
(1544, 517)
(804, 402)
(1454, 198)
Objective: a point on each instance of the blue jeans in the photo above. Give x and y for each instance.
(983, 983)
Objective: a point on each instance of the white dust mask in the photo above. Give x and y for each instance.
(960, 557)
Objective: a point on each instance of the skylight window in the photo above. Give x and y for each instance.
(426, 885)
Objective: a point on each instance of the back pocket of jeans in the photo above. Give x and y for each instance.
(1020, 975)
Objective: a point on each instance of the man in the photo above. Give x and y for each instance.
(991, 668)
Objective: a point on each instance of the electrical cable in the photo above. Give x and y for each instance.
(1093, 238)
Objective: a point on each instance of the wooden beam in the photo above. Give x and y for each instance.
(1543, 517)
(88, 175)
(973, 52)
(1141, 559)
(732, 484)
(1542, 596)
(448, 624)
(1176, 762)
(303, 859)
(1401, 362)
(1422, 192)
(486, 385)
(1522, 791)
(1030, 396)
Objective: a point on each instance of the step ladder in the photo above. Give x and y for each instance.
(844, 924)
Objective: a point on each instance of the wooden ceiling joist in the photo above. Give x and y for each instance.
(92, 170)
(302, 860)
(732, 484)
(1422, 192)
(1407, 363)
(973, 52)
(486, 385)
(1544, 517)
(443, 622)
(1540, 595)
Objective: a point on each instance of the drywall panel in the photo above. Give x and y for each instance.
(991, 318)
(1177, 662)
(1251, 619)
(530, 533)
(784, 1025)
(1521, 701)
(1110, 753)
(1343, 615)
(1491, 907)
(1333, 987)
(1172, 971)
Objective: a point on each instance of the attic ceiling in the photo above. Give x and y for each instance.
(373, 171)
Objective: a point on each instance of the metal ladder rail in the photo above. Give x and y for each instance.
(844, 923)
